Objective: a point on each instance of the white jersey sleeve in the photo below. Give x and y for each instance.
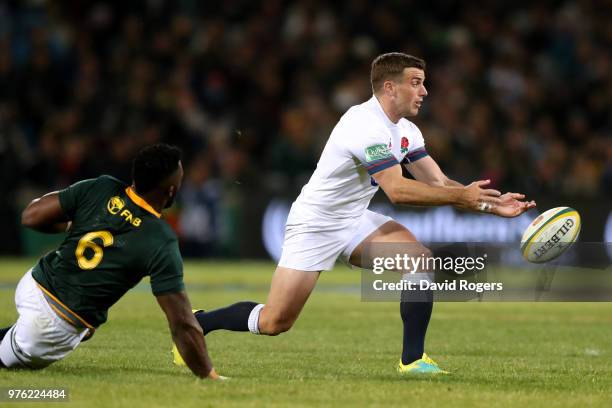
(372, 148)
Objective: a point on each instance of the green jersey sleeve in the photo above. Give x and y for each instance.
(166, 269)
(70, 197)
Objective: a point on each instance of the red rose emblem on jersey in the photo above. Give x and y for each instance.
(404, 145)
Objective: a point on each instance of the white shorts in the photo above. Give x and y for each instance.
(307, 250)
(39, 337)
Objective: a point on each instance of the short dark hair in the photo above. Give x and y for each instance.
(390, 66)
(153, 164)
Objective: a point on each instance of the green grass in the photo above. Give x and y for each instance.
(341, 352)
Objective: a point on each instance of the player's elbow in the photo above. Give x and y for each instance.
(393, 194)
(29, 217)
(401, 195)
(394, 199)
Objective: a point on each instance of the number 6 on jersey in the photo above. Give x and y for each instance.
(88, 242)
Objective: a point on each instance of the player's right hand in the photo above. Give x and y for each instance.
(474, 195)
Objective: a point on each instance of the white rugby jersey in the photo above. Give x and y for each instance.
(364, 142)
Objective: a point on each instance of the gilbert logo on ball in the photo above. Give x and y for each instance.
(550, 234)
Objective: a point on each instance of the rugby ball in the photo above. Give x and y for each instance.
(550, 234)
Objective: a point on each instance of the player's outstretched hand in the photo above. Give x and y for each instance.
(474, 195)
(214, 376)
(510, 205)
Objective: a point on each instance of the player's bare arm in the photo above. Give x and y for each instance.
(427, 171)
(401, 190)
(45, 214)
(187, 334)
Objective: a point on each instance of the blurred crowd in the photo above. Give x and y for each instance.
(518, 93)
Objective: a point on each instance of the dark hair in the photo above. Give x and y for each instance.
(153, 164)
(390, 66)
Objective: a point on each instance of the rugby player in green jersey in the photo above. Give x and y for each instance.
(115, 237)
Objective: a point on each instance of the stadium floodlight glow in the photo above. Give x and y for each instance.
(273, 227)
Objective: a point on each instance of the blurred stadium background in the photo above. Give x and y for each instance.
(518, 93)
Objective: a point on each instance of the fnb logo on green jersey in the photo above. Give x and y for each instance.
(115, 206)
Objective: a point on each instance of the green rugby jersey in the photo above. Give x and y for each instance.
(115, 240)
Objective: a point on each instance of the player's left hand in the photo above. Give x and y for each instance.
(511, 205)
(216, 377)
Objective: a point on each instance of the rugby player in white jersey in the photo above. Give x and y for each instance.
(330, 218)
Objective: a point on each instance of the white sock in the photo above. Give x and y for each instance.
(254, 319)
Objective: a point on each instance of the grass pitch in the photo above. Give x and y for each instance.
(341, 352)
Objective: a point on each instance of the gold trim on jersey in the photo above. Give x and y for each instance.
(139, 201)
(64, 311)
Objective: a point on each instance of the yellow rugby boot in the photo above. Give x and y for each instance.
(424, 365)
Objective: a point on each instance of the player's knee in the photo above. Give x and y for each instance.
(419, 252)
(426, 252)
(276, 325)
(279, 327)
(35, 357)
